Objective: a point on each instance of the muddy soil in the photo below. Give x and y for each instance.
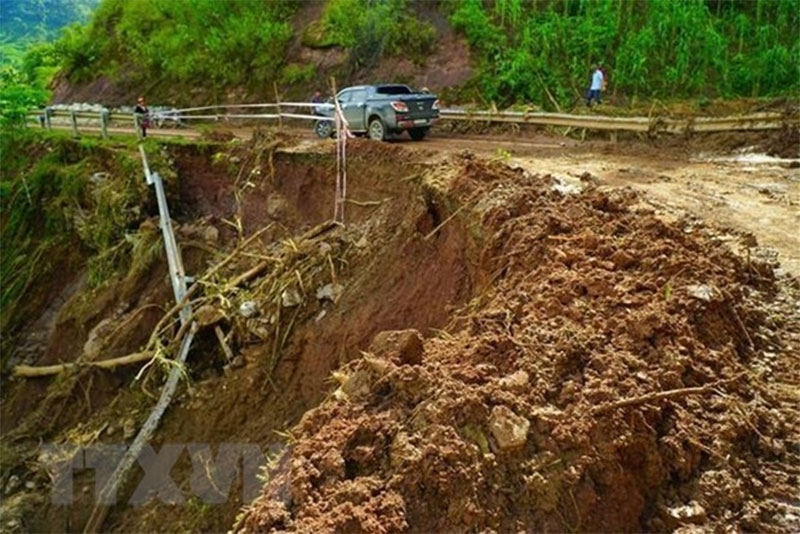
(610, 377)
(496, 340)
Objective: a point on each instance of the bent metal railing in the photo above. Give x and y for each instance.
(296, 110)
(108, 493)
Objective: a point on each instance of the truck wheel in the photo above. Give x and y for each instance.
(323, 129)
(377, 131)
(418, 134)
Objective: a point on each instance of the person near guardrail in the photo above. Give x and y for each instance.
(317, 99)
(597, 85)
(142, 116)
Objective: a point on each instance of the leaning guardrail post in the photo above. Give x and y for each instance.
(74, 117)
(104, 122)
(108, 493)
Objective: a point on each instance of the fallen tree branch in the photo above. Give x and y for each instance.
(33, 371)
(248, 275)
(365, 203)
(447, 220)
(193, 288)
(223, 343)
(30, 371)
(662, 395)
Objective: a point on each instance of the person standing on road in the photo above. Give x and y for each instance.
(142, 115)
(317, 99)
(597, 86)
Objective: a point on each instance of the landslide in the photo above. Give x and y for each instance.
(317, 294)
(614, 373)
(477, 348)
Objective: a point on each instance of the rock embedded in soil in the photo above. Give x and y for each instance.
(509, 429)
(403, 347)
(211, 234)
(516, 381)
(689, 514)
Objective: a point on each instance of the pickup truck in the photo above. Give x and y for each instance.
(378, 110)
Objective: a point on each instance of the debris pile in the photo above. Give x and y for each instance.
(604, 377)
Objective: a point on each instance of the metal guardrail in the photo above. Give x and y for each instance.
(756, 121)
(289, 110)
(109, 491)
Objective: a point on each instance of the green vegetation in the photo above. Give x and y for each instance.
(524, 51)
(40, 20)
(27, 58)
(60, 200)
(210, 44)
(371, 30)
(542, 51)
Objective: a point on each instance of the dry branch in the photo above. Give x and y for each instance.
(366, 203)
(30, 371)
(247, 275)
(224, 344)
(662, 395)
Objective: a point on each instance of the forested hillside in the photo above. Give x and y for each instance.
(658, 48)
(28, 60)
(40, 19)
(526, 52)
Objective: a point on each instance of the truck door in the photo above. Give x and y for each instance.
(353, 105)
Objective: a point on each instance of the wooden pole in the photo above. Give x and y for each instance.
(109, 492)
(74, 116)
(338, 202)
(30, 371)
(278, 101)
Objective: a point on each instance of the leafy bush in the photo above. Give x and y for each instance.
(15, 101)
(296, 72)
(371, 30)
(542, 52)
(203, 43)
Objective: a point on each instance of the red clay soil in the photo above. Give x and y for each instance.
(607, 377)
(536, 311)
(376, 259)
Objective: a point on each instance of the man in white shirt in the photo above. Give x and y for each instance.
(597, 86)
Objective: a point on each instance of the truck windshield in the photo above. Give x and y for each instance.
(393, 90)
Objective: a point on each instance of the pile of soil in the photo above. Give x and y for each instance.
(609, 374)
(479, 348)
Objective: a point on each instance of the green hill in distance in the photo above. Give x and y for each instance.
(39, 20)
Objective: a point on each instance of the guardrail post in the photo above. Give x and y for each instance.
(74, 117)
(278, 101)
(48, 112)
(104, 122)
(136, 127)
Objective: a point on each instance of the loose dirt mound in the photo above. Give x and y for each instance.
(597, 368)
(606, 378)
